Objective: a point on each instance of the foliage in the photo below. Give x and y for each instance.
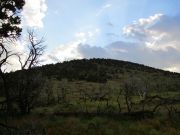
(127, 94)
(9, 18)
(9, 30)
(102, 70)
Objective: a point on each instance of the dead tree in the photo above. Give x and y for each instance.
(27, 85)
(35, 50)
(128, 91)
(84, 97)
(135, 86)
(158, 102)
(118, 98)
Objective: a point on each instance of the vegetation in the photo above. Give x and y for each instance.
(68, 91)
(9, 31)
(10, 19)
(95, 96)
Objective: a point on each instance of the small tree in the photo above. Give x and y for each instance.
(128, 91)
(25, 87)
(118, 99)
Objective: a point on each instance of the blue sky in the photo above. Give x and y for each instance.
(66, 17)
(142, 31)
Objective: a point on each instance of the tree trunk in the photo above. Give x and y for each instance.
(127, 104)
(6, 92)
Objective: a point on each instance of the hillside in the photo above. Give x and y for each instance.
(90, 93)
(102, 70)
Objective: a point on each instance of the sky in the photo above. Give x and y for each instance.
(141, 31)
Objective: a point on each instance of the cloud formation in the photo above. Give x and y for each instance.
(139, 30)
(158, 32)
(104, 7)
(155, 43)
(74, 49)
(34, 12)
(64, 52)
(158, 41)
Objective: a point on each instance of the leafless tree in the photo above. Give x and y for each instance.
(29, 91)
(128, 91)
(118, 100)
(28, 87)
(36, 49)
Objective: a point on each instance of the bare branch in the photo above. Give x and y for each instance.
(36, 49)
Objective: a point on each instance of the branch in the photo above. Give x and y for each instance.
(36, 49)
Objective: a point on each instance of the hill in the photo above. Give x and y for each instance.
(87, 94)
(102, 70)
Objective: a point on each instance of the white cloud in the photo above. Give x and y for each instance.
(71, 50)
(80, 35)
(107, 6)
(34, 12)
(139, 30)
(88, 36)
(155, 43)
(15, 48)
(175, 68)
(104, 7)
(64, 52)
(159, 36)
(158, 32)
(150, 20)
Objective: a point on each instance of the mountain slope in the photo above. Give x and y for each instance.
(102, 70)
